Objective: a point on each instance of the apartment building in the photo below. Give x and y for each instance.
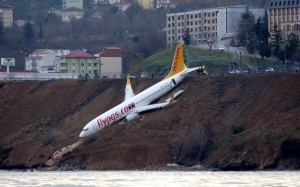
(285, 15)
(206, 24)
(45, 60)
(79, 62)
(6, 15)
(72, 3)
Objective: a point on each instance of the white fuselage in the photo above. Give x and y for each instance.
(122, 110)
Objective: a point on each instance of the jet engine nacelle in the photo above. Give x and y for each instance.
(132, 116)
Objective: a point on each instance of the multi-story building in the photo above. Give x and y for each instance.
(285, 14)
(111, 62)
(45, 60)
(42, 61)
(71, 13)
(6, 15)
(206, 24)
(72, 3)
(79, 62)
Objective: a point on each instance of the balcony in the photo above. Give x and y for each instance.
(62, 68)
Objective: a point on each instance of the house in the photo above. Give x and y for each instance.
(79, 62)
(123, 6)
(146, 4)
(206, 24)
(72, 3)
(71, 13)
(6, 15)
(97, 15)
(111, 62)
(165, 4)
(285, 15)
(100, 2)
(20, 22)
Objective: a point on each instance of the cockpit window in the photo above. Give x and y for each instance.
(85, 129)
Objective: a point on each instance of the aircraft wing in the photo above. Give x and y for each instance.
(159, 105)
(151, 107)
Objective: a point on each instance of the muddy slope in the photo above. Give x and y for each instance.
(227, 122)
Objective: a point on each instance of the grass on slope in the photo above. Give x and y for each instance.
(210, 58)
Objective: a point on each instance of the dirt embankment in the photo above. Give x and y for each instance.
(227, 122)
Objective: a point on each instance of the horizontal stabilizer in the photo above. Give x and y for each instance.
(188, 70)
(175, 95)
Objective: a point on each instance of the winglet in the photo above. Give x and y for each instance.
(178, 62)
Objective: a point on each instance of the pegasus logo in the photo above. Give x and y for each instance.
(176, 58)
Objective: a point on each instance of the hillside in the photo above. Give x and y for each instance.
(226, 122)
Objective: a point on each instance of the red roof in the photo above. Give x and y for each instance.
(79, 54)
(111, 52)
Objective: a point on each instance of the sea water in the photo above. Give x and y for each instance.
(150, 178)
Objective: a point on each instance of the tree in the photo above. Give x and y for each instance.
(41, 33)
(114, 10)
(1, 33)
(28, 33)
(263, 35)
(291, 47)
(187, 37)
(245, 27)
(276, 38)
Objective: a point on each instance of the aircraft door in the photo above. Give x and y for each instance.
(173, 83)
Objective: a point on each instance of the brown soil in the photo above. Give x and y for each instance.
(227, 122)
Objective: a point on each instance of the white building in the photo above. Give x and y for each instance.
(6, 15)
(206, 24)
(286, 16)
(45, 60)
(71, 13)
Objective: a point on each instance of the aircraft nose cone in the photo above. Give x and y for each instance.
(81, 135)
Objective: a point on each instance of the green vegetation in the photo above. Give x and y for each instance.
(214, 61)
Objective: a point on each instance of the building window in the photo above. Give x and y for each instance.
(89, 64)
(73, 64)
(73, 71)
(82, 64)
(82, 71)
(90, 72)
(95, 64)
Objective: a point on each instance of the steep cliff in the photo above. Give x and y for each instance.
(228, 122)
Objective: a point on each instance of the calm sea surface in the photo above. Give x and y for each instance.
(150, 178)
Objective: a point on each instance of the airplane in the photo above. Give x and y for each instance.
(135, 104)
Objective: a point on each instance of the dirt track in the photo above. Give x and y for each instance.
(227, 122)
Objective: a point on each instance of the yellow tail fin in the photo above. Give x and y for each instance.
(128, 80)
(178, 63)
